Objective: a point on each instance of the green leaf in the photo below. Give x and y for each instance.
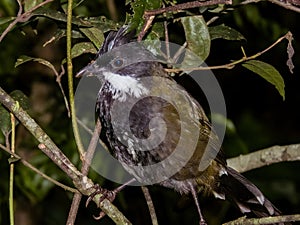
(81, 48)
(198, 39)
(60, 33)
(268, 72)
(225, 32)
(29, 4)
(139, 7)
(23, 100)
(5, 123)
(13, 160)
(23, 59)
(94, 34)
(4, 22)
(101, 22)
(5, 120)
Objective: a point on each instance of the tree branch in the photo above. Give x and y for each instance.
(265, 220)
(16, 157)
(22, 17)
(288, 4)
(87, 159)
(150, 14)
(150, 205)
(265, 157)
(81, 182)
(231, 65)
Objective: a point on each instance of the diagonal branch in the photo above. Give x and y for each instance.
(81, 182)
(265, 220)
(149, 15)
(265, 157)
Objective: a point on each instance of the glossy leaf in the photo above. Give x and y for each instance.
(139, 7)
(29, 4)
(5, 120)
(95, 35)
(83, 47)
(60, 33)
(268, 72)
(198, 39)
(197, 35)
(5, 123)
(101, 22)
(23, 100)
(23, 59)
(225, 32)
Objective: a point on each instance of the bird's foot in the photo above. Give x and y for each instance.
(202, 222)
(110, 195)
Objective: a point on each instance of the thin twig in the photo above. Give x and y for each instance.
(167, 40)
(84, 169)
(265, 220)
(82, 183)
(22, 17)
(150, 205)
(33, 168)
(187, 5)
(111, 6)
(232, 64)
(58, 80)
(150, 14)
(285, 4)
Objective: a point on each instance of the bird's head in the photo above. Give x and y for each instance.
(122, 62)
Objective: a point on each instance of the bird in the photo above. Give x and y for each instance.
(136, 103)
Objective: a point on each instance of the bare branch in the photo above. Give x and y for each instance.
(234, 63)
(85, 168)
(82, 183)
(22, 17)
(33, 168)
(150, 205)
(265, 157)
(288, 4)
(150, 14)
(264, 220)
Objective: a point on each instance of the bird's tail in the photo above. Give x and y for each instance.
(246, 195)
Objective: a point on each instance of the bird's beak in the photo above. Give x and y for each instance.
(88, 70)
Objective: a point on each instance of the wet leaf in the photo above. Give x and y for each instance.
(268, 72)
(81, 48)
(225, 32)
(138, 7)
(23, 59)
(95, 35)
(198, 40)
(23, 100)
(5, 123)
(29, 4)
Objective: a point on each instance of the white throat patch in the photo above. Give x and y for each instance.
(125, 85)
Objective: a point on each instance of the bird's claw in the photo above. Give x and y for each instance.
(106, 194)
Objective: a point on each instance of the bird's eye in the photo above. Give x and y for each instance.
(118, 62)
